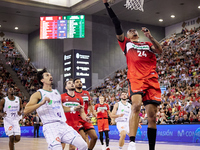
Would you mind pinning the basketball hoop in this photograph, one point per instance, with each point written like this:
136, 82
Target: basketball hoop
111, 1
134, 4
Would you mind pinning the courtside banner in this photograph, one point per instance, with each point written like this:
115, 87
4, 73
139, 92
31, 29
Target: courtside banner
171, 133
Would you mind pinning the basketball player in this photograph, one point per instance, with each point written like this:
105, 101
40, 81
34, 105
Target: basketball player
71, 100
141, 75
102, 110
47, 103
12, 108
121, 112
86, 126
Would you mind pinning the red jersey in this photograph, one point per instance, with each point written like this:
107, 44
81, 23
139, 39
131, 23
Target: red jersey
141, 61
104, 110
69, 101
86, 98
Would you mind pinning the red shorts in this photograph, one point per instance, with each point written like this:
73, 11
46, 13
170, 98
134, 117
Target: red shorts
148, 88
85, 125
75, 124
102, 125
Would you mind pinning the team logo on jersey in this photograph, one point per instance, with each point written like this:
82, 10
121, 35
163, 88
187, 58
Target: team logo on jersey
16, 101
122, 110
50, 102
9, 106
84, 94
77, 99
56, 93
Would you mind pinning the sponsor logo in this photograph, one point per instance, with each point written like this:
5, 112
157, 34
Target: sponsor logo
10, 128
50, 102
58, 139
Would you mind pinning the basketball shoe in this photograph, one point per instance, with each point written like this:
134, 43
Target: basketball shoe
131, 146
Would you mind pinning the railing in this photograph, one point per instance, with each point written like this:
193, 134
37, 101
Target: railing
20, 50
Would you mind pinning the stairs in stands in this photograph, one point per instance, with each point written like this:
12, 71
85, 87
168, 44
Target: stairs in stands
14, 76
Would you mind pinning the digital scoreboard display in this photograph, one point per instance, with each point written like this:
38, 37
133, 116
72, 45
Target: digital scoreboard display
77, 64
61, 27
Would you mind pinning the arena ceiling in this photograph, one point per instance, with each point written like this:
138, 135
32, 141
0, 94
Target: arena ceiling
25, 13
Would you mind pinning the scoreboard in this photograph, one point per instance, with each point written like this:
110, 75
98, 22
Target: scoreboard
77, 64
61, 27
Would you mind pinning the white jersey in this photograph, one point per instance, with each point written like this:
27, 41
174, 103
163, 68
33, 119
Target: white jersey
11, 107
52, 111
123, 109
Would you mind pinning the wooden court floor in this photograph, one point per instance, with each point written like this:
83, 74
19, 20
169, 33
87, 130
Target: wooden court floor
40, 144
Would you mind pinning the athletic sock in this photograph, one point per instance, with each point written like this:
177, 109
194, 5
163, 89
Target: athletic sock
120, 147
132, 138
151, 132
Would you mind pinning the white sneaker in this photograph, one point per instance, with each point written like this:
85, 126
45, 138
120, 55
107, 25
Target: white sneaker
131, 146
103, 147
107, 148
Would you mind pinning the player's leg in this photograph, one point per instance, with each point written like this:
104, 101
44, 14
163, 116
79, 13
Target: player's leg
93, 136
71, 147
87, 139
106, 130
107, 139
101, 139
134, 117
122, 138
38, 130
34, 130
17, 138
72, 137
151, 110
151, 100
11, 142
82, 133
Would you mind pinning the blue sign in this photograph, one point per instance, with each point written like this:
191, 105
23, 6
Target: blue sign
169, 133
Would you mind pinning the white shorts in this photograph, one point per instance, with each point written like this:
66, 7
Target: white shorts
11, 126
123, 126
58, 132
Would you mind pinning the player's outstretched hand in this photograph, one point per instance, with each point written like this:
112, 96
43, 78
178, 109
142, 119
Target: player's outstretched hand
78, 108
19, 113
88, 119
105, 1
4, 114
146, 32
46, 99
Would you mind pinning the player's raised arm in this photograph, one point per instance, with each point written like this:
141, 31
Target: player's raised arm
115, 20
157, 48
33, 103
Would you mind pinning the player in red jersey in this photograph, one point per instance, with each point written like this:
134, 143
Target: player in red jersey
86, 126
69, 99
141, 75
102, 110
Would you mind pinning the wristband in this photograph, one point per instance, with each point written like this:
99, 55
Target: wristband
72, 109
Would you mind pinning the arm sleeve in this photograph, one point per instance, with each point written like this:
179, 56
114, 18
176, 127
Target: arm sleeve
114, 19
122, 44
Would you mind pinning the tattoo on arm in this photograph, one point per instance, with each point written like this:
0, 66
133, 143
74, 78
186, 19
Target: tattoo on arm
158, 48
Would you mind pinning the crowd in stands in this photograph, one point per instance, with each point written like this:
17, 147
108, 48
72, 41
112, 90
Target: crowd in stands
178, 68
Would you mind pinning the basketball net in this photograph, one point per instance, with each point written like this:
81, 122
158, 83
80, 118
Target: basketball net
134, 4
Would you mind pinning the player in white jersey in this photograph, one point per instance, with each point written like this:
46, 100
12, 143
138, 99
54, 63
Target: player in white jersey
11, 106
47, 103
121, 112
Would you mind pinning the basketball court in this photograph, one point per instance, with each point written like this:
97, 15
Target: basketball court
40, 144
